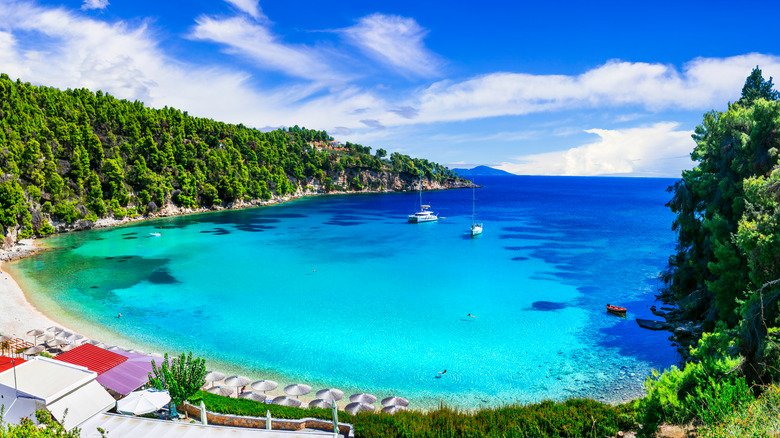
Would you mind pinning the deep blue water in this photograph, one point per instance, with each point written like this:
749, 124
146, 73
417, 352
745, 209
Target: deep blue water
341, 291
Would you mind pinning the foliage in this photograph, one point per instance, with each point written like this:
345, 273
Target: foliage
28, 429
182, 376
757, 88
757, 419
571, 418
706, 392
735, 150
76, 153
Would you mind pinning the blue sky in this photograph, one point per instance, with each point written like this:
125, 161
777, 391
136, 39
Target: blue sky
560, 88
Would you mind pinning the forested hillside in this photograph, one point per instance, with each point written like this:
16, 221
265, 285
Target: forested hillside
725, 274
77, 155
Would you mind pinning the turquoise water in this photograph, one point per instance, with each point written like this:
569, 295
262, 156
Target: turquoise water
340, 291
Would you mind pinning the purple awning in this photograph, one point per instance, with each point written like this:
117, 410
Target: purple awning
130, 374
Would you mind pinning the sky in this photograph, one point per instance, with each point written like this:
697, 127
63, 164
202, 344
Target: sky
550, 88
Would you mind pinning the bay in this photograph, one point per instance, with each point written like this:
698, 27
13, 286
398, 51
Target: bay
341, 291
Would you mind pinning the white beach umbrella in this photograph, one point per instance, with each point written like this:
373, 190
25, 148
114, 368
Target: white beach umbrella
75, 338
395, 401
393, 409
136, 351
116, 348
55, 329
320, 403
63, 334
143, 402
297, 389
221, 390
34, 350
68, 347
237, 381
330, 394
253, 396
156, 355
56, 342
94, 342
36, 333
362, 398
264, 385
355, 407
214, 376
283, 400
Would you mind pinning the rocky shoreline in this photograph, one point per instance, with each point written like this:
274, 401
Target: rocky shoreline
14, 248
686, 332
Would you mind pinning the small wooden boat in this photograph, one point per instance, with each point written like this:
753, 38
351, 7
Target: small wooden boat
615, 310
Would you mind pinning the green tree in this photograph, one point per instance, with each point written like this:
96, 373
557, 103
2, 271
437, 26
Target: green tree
28, 429
182, 377
757, 88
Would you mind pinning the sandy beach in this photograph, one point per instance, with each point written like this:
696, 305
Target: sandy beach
18, 315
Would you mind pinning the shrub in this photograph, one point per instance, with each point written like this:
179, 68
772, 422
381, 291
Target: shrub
759, 418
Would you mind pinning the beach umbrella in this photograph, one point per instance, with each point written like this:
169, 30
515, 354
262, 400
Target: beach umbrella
393, 409
36, 333
264, 385
237, 381
320, 403
395, 401
355, 407
55, 329
221, 390
136, 351
156, 355
214, 376
297, 389
94, 342
362, 398
116, 348
47, 337
143, 402
68, 347
34, 350
63, 334
56, 342
74, 338
203, 419
283, 400
330, 394
253, 396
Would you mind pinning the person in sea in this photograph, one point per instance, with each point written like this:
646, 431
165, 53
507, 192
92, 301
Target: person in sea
442, 372
471, 316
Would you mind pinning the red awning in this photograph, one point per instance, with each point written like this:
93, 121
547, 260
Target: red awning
6, 363
94, 358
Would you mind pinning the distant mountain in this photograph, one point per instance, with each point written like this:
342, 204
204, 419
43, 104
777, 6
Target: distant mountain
480, 171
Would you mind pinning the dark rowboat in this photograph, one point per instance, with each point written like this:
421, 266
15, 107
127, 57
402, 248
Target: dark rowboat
615, 310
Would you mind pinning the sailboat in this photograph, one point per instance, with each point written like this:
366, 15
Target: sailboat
476, 228
425, 214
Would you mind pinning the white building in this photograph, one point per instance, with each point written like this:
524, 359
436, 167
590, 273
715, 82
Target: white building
69, 392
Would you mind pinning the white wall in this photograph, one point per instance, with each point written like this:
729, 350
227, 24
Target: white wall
14, 409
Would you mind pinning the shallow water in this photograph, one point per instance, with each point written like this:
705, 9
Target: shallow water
341, 291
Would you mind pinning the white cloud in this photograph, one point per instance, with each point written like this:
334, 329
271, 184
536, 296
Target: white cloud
251, 7
395, 41
703, 83
94, 4
658, 151
256, 43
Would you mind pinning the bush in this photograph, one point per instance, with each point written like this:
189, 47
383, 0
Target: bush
571, 418
759, 418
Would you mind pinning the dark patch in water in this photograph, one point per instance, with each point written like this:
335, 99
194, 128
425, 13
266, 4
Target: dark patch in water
285, 216
520, 259
254, 228
161, 276
99, 238
129, 238
110, 258
129, 234
125, 257
122, 261
217, 232
93, 287
548, 305
344, 223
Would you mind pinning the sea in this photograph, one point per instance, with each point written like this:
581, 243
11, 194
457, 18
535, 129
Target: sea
340, 291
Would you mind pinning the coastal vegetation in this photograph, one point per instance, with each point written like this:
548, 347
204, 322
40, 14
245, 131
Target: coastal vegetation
725, 274
78, 156
27, 428
570, 418
181, 376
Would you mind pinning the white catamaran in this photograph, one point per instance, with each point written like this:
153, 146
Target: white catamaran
424, 215
476, 228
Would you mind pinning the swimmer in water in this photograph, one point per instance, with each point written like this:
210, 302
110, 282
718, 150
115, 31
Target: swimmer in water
471, 316
443, 372
119, 316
